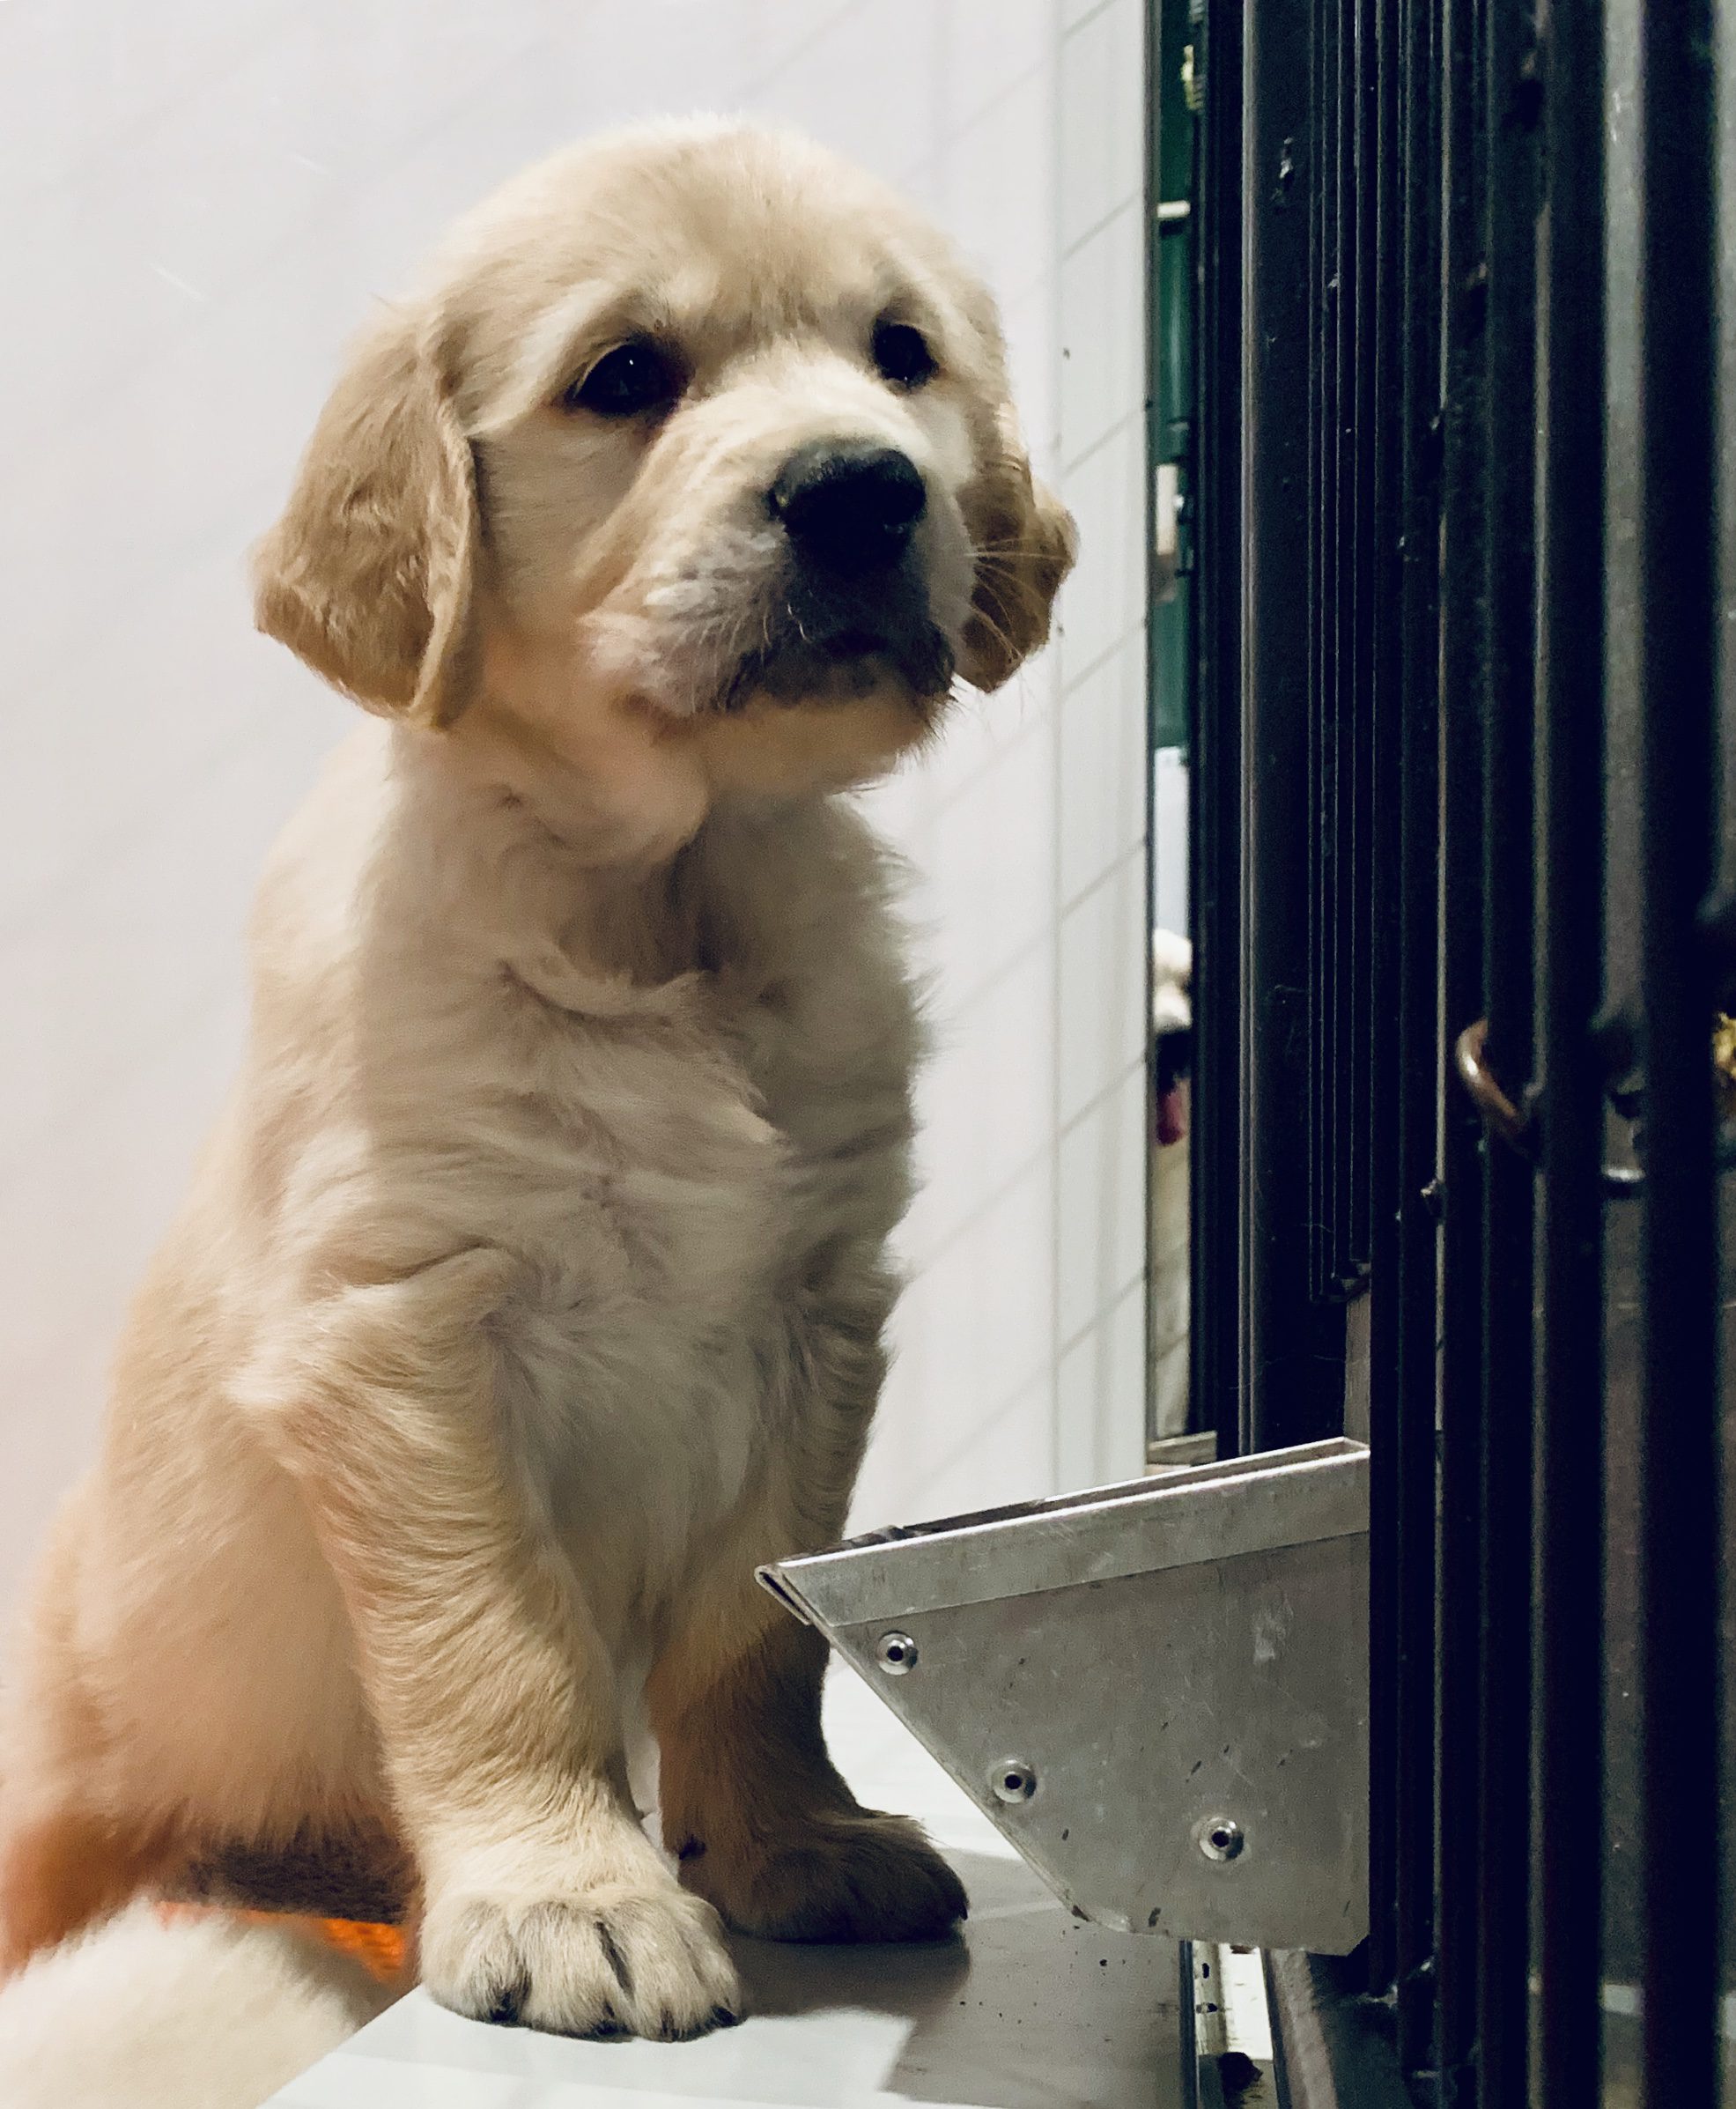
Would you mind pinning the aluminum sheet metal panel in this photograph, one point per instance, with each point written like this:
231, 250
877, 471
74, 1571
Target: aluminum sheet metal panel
1157, 1690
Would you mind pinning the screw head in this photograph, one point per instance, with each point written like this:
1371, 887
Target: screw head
1013, 1780
896, 1653
1221, 1837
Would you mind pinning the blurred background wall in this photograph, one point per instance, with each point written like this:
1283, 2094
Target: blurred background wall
199, 199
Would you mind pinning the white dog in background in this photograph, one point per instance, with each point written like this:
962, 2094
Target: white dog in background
1172, 1059
532, 1288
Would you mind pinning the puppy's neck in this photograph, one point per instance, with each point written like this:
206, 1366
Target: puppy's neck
621, 786
483, 873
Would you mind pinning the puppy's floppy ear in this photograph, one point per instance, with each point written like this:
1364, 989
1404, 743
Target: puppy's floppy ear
369, 576
1025, 545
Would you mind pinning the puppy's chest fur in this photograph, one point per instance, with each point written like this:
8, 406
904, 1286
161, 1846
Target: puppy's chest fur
706, 1173
678, 1116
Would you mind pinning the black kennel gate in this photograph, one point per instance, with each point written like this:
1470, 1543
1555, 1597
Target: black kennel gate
1464, 886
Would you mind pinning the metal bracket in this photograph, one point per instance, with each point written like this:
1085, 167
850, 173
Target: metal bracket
1158, 1691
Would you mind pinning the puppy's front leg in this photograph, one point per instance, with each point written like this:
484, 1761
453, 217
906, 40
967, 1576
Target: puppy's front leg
751, 1803
756, 1812
492, 1691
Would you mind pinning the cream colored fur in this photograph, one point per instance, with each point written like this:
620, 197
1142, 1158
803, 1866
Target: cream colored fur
136, 2015
531, 1289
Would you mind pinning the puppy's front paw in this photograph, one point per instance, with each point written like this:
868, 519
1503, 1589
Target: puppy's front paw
607, 1961
854, 1877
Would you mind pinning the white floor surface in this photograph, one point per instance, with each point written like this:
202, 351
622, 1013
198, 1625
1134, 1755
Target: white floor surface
1030, 2010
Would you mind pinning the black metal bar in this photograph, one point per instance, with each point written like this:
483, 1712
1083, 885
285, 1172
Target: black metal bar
1570, 1366
1382, 1022
1292, 1378
1384, 1031
1512, 114
1680, 1461
1345, 451
1187, 2015
1332, 188
1372, 405
1416, 1291
1464, 282
1327, 278
1215, 744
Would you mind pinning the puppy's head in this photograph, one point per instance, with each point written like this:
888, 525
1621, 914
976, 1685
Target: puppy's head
696, 463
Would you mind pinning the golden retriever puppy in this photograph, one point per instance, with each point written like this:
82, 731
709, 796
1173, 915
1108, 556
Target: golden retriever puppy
532, 1288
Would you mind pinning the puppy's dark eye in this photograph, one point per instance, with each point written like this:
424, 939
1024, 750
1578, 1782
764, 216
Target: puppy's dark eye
902, 354
638, 376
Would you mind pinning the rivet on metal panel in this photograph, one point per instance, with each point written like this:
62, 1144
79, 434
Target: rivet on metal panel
1221, 1837
896, 1653
1013, 1780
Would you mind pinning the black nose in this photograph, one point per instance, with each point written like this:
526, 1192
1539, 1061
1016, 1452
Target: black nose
849, 508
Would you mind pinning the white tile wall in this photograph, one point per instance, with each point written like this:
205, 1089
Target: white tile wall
197, 204
1103, 350
1101, 1099
1103, 801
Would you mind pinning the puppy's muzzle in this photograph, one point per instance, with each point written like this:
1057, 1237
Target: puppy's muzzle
855, 605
